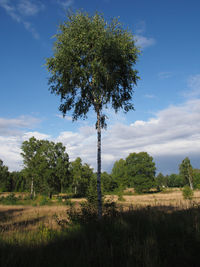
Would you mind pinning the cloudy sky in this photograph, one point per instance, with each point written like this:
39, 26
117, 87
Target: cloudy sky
166, 120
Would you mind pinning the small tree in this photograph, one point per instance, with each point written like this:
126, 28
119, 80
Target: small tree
185, 170
187, 192
92, 67
141, 171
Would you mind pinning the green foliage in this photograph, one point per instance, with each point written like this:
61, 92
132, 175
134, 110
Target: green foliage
120, 196
92, 65
81, 175
4, 177
160, 182
46, 165
186, 171
109, 184
44, 200
141, 171
45, 234
196, 178
91, 194
11, 199
187, 192
119, 173
175, 180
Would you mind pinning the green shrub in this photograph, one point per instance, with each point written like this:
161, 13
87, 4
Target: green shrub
44, 201
120, 195
187, 192
11, 199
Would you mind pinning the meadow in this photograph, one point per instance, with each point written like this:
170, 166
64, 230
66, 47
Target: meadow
156, 229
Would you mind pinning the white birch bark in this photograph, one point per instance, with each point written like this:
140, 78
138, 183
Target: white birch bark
99, 165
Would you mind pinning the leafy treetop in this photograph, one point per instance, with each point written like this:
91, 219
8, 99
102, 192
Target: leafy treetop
92, 65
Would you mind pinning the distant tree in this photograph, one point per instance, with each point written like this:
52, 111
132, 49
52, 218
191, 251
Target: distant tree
186, 171
17, 181
175, 180
81, 176
4, 177
108, 183
160, 181
46, 165
92, 67
141, 171
76, 170
119, 173
196, 178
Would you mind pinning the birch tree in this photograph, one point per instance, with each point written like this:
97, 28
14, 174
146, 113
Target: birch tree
186, 171
92, 67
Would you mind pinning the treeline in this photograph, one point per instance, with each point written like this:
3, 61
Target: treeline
47, 170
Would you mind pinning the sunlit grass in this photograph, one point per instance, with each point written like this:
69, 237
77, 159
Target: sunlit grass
141, 232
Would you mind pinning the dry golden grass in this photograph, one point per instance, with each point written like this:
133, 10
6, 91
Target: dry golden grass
172, 198
28, 218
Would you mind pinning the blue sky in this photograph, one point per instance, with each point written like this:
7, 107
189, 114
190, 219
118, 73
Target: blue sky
166, 122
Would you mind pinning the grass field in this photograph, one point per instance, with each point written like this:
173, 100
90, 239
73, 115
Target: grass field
158, 229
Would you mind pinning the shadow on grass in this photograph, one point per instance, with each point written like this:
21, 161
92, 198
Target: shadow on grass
21, 225
9, 214
143, 237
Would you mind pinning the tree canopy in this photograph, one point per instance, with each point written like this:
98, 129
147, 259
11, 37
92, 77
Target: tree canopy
185, 170
46, 164
141, 171
92, 67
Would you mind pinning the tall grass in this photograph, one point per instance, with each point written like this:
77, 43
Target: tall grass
151, 236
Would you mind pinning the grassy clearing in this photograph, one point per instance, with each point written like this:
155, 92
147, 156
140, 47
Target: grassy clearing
133, 235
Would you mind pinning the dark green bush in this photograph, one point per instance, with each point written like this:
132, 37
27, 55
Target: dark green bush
187, 192
11, 199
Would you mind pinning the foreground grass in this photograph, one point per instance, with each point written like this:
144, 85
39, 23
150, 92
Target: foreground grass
150, 236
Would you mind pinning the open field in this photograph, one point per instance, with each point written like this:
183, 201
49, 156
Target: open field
172, 197
21, 217
159, 229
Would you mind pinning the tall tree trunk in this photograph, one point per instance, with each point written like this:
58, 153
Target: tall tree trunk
99, 165
190, 179
32, 188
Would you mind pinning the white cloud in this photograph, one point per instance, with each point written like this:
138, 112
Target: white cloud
10, 127
141, 40
11, 148
149, 96
17, 10
144, 42
10, 152
29, 8
165, 74
37, 135
68, 118
172, 133
170, 136
140, 27
28, 26
194, 86
65, 3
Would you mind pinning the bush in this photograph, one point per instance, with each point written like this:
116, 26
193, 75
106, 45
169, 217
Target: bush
11, 199
187, 192
44, 201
